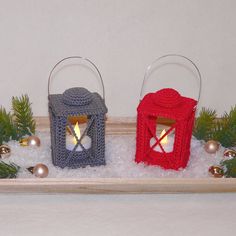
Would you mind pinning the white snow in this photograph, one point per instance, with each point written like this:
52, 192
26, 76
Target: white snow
120, 152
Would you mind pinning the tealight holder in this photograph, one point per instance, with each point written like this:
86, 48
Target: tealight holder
77, 123
169, 149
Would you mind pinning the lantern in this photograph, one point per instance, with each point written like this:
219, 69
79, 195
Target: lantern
169, 148
77, 125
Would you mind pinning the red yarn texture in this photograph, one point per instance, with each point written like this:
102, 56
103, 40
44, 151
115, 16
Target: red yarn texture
165, 103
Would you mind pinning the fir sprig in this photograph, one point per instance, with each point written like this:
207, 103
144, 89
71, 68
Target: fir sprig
8, 170
229, 167
223, 130
7, 127
204, 124
23, 116
16, 125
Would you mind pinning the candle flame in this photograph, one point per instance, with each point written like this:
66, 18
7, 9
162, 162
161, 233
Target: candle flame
165, 139
77, 132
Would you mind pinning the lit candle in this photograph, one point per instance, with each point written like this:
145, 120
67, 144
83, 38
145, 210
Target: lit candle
71, 140
167, 143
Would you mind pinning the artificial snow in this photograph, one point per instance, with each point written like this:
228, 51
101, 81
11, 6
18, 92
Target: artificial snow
120, 153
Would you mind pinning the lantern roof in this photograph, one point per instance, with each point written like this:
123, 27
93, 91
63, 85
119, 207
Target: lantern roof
77, 101
167, 103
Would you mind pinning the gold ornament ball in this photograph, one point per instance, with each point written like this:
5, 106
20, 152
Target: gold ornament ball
30, 169
212, 146
24, 142
5, 151
230, 153
40, 170
216, 171
33, 141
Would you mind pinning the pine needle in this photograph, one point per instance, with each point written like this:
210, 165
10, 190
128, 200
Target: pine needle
8, 171
204, 124
7, 127
229, 167
222, 130
23, 116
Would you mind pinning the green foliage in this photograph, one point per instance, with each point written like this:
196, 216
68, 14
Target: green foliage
229, 167
222, 130
7, 127
8, 170
23, 116
204, 124
18, 124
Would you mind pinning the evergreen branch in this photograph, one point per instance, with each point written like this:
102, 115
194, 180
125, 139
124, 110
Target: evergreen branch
229, 167
8, 170
7, 128
232, 119
23, 116
225, 129
222, 130
204, 124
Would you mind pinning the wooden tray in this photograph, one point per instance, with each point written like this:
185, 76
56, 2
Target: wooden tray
115, 185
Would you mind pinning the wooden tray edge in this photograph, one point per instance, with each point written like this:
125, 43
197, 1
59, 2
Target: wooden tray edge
117, 185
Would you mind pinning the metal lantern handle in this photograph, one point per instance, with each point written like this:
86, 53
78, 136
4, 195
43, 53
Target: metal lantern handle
147, 73
83, 59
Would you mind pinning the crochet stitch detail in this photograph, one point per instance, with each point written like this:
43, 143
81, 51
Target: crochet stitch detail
77, 96
167, 98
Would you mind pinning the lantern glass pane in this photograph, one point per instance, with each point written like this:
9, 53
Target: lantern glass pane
162, 126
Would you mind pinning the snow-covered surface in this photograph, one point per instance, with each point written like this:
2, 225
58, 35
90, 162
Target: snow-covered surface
120, 151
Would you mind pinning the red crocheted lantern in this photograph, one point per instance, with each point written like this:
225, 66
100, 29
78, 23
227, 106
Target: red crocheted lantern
171, 148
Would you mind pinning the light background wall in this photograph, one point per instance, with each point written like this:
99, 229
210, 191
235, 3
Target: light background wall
121, 37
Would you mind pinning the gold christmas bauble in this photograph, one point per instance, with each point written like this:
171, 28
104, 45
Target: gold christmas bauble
212, 146
40, 170
24, 142
33, 141
5, 151
216, 171
30, 169
230, 153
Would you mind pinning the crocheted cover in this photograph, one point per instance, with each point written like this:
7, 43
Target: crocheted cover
165, 103
76, 102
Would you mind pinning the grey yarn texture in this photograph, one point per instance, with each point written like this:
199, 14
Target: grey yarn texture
76, 102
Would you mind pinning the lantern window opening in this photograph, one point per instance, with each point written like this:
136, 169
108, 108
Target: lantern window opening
157, 141
165, 123
75, 136
78, 123
74, 133
159, 144
161, 120
81, 119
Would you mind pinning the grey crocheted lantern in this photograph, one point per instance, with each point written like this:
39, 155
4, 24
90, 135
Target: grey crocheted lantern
70, 149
